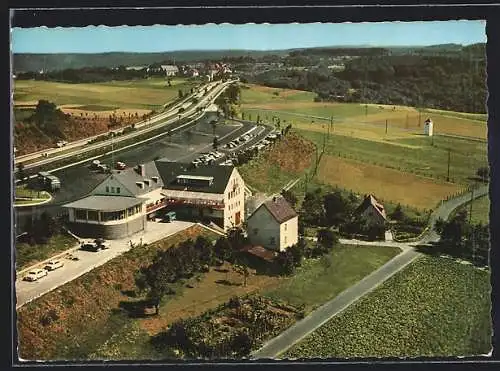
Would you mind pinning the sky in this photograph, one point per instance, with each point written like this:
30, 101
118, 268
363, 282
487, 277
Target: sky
98, 39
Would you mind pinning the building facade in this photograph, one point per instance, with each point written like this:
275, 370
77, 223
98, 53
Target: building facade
372, 211
123, 202
273, 225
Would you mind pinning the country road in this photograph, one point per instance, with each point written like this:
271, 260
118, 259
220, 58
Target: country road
291, 336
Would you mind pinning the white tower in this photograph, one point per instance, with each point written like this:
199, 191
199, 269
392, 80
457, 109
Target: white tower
428, 127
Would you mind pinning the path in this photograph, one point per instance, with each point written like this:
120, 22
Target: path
291, 336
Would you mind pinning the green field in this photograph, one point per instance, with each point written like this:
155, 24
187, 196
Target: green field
319, 280
145, 94
464, 115
25, 192
411, 315
416, 155
480, 210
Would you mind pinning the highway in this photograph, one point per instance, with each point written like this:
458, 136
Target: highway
184, 145
280, 344
151, 124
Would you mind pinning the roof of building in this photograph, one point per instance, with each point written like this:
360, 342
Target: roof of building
105, 203
372, 201
260, 252
129, 178
169, 67
279, 209
170, 170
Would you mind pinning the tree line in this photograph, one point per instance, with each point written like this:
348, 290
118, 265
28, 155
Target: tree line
454, 82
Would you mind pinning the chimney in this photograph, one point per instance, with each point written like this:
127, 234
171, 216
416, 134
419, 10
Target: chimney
141, 170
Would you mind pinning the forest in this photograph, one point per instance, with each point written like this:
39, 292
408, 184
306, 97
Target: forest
453, 81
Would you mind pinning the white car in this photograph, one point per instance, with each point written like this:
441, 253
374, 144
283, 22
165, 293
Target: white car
36, 274
53, 265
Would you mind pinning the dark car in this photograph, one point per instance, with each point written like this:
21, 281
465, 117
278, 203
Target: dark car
90, 247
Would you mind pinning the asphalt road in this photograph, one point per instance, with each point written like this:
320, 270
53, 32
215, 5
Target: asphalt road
28, 291
185, 146
169, 117
281, 343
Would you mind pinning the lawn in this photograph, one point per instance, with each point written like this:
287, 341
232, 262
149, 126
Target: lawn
320, 280
25, 192
411, 315
145, 94
86, 310
416, 155
27, 255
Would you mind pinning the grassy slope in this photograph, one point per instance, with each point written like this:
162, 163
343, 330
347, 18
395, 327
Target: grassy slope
27, 255
285, 161
87, 307
480, 210
320, 280
411, 315
150, 94
354, 117
418, 157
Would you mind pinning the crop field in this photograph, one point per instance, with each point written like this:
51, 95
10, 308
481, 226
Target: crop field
386, 184
144, 94
319, 280
355, 117
415, 155
411, 316
74, 320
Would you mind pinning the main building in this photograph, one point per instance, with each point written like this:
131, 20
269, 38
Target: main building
121, 204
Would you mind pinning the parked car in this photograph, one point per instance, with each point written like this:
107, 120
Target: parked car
88, 246
120, 165
36, 274
102, 243
53, 265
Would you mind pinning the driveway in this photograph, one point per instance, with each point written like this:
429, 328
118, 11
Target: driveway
291, 336
28, 291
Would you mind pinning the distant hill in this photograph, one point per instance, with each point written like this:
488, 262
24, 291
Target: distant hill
24, 62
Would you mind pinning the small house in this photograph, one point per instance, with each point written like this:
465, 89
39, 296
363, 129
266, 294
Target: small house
273, 225
428, 127
372, 211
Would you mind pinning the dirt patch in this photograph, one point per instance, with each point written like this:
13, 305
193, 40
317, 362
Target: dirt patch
386, 184
292, 153
207, 294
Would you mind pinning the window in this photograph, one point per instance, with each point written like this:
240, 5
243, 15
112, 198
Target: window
285, 227
285, 238
272, 241
112, 189
117, 189
107, 189
93, 215
255, 230
81, 214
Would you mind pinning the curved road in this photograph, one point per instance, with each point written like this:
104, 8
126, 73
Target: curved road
291, 336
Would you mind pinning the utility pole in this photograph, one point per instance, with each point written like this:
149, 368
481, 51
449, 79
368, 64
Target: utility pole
449, 156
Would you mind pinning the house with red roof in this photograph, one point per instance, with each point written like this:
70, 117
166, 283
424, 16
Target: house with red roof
273, 225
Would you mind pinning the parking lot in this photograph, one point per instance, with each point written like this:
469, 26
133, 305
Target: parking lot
87, 260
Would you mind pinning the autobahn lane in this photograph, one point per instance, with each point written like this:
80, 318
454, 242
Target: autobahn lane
185, 146
154, 123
